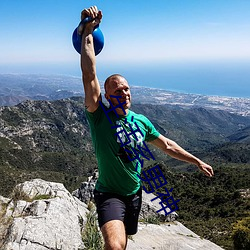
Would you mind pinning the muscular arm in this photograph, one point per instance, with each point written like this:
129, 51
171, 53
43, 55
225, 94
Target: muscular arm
174, 150
88, 63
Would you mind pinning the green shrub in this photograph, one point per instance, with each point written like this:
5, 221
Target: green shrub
91, 235
152, 219
241, 234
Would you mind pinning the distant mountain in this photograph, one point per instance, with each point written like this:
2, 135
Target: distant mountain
15, 88
236, 150
242, 136
195, 127
232, 153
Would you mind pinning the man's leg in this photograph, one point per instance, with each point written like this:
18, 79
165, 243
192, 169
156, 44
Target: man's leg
111, 212
114, 235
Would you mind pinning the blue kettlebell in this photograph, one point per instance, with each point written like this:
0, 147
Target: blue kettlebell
98, 37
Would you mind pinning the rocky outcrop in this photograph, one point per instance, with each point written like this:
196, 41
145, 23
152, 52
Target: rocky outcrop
85, 192
168, 236
43, 215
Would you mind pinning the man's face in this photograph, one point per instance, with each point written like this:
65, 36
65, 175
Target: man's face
118, 86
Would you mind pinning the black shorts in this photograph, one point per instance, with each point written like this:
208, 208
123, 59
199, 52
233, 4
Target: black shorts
117, 207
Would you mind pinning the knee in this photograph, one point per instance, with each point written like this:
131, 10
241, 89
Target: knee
115, 245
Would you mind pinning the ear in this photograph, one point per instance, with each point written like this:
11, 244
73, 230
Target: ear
106, 96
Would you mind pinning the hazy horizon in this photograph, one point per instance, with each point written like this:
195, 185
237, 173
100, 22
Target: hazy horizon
222, 79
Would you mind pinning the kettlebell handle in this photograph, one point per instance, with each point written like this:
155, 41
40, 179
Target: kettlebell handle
85, 21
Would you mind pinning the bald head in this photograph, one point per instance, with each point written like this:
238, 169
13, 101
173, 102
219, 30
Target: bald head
113, 80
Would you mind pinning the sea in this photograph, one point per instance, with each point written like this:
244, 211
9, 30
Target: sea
231, 79
228, 79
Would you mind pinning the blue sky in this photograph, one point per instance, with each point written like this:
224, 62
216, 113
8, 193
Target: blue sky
35, 35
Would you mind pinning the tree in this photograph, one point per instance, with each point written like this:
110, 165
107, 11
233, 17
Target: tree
241, 234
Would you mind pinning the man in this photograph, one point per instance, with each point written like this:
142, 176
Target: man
118, 192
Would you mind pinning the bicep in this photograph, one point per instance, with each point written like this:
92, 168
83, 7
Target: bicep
160, 142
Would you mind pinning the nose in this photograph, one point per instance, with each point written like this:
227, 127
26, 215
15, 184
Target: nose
124, 93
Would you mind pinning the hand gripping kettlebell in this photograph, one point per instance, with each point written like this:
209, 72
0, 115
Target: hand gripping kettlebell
98, 37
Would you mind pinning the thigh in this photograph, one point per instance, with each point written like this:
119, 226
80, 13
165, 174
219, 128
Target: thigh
111, 213
108, 208
133, 207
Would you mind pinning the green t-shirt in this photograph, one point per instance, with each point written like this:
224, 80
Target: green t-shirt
117, 174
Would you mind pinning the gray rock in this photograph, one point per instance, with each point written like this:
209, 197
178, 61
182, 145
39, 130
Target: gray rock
44, 215
150, 208
85, 192
169, 236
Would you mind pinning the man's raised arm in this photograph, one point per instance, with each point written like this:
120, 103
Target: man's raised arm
88, 64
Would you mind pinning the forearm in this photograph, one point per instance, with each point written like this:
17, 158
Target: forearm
174, 150
88, 67
88, 63
177, 152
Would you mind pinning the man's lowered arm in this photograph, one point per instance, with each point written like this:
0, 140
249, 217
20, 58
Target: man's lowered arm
174, 150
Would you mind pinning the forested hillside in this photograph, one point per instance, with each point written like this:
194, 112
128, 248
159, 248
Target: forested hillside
51, 140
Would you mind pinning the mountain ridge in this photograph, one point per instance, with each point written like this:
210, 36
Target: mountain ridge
54, 135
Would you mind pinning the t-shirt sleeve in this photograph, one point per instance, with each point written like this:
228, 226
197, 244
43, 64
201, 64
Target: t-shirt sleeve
94, 117
152, 133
